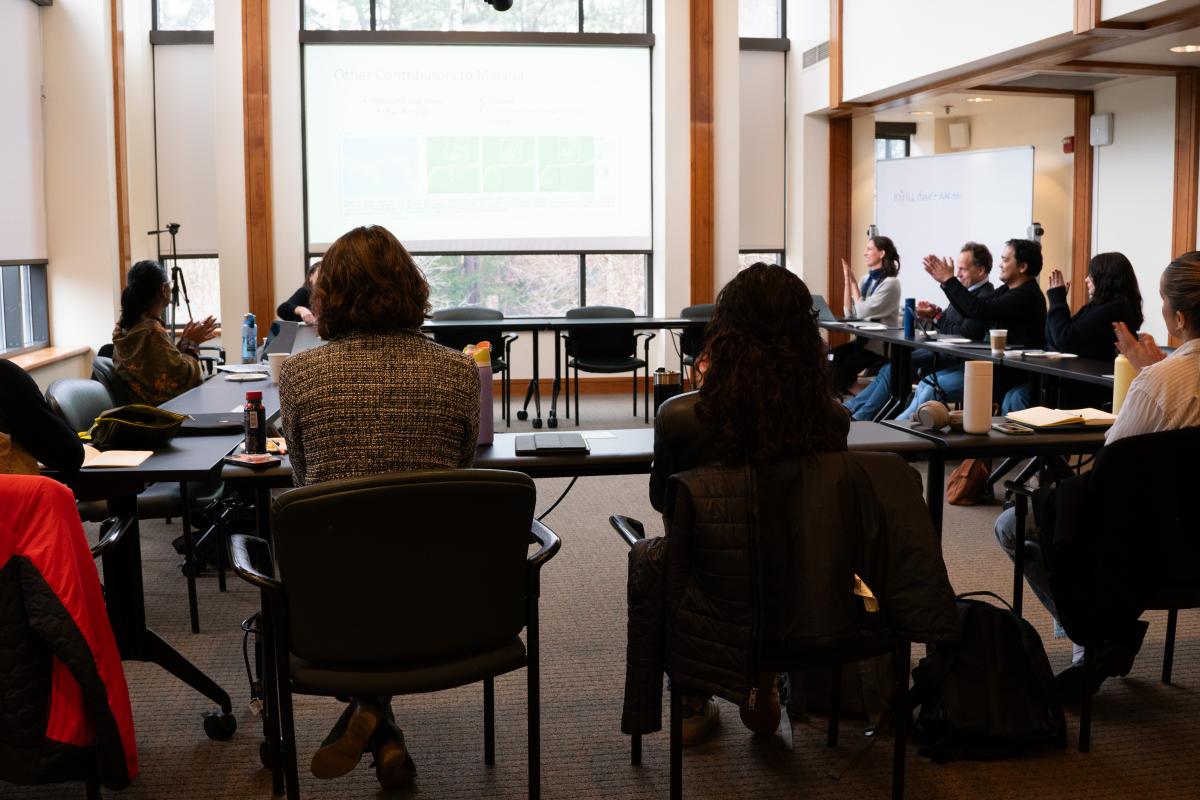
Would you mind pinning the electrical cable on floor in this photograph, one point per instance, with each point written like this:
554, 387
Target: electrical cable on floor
553, 506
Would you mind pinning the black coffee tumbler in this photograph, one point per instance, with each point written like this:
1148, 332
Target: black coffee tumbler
666, 385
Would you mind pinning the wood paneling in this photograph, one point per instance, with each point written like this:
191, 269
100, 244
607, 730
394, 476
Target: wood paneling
703, 167
1187, 161
1081, 202
116, 13
1087, 15
835, 54
840, 132
256, 88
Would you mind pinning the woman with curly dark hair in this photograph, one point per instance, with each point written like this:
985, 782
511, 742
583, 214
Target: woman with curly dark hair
378, 397
765, 397
765, 394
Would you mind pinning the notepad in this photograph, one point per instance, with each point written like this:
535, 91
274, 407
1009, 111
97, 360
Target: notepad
539, 444
1042, 417
113, 458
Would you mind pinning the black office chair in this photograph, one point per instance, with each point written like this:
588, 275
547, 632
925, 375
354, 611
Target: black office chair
691, 338
104, 371
735, 571
445, 553
1118, 540
606, 352
457, 340
78, 402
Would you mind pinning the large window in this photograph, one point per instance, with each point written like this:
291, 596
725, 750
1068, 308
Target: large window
509, 151
24, 320
183, 15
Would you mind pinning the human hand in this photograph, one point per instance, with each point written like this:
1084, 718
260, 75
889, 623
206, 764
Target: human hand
1056, 280
846, 269
940, 269
927, 310
199, 332
306, 315
1141, 351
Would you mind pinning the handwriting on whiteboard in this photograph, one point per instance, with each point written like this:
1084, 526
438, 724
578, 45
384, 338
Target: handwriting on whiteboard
924, 197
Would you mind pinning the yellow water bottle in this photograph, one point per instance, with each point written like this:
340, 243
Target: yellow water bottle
1123, 374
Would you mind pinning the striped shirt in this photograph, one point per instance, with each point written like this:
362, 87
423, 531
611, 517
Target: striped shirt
1163, 397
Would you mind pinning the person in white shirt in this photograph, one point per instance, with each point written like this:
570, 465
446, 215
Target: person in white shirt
876, 298
1165, 395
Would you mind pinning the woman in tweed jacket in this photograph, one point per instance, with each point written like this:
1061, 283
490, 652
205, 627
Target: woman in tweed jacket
378, 397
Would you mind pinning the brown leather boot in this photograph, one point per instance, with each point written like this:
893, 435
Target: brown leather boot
393, 765
343, 747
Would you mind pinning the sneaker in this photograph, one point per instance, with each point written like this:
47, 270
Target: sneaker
393, 765
343, 747
699, 723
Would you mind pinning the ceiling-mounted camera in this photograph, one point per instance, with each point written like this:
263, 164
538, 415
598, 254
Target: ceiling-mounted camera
500, 5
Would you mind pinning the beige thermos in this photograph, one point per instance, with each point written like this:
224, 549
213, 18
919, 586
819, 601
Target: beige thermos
1123, 373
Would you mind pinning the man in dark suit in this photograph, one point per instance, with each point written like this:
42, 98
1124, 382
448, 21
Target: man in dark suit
972, 268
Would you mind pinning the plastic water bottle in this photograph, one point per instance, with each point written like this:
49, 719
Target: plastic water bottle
249, 339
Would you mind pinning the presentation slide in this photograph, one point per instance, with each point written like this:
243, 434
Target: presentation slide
935, 204
460, 148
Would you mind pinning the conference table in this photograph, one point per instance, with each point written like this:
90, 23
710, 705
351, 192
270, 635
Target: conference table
1051, 371
492, 328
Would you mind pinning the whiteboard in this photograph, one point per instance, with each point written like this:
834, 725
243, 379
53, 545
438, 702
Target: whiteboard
934, 204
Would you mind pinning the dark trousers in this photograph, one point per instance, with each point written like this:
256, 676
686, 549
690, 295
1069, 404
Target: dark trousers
848, 360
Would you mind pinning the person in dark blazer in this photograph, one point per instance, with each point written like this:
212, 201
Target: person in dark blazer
298, 307
1113, 296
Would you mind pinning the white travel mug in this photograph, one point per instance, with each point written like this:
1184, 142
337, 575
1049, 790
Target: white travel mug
274, 362
977, 396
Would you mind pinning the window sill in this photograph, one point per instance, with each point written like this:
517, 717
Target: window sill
45, 356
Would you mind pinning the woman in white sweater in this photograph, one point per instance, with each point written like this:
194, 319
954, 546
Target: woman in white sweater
877, 297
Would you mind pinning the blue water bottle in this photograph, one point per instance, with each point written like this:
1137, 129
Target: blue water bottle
910, 317
249, 339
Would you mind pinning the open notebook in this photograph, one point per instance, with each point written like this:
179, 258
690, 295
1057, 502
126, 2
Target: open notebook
1042, 417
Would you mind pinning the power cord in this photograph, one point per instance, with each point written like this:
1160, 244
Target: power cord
561, 497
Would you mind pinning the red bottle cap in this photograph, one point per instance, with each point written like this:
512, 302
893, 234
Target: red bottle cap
254, 395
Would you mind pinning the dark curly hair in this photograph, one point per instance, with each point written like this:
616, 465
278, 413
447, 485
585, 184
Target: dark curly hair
369, 284
765, 395
1115, 281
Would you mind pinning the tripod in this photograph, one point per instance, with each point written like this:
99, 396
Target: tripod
178, 280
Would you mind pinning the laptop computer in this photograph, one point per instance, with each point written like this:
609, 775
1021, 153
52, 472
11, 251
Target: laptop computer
823, 312
291, 337
542, 444
217, 422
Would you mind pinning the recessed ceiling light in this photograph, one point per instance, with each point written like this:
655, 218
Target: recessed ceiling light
979, 99
1186, 48
921, 113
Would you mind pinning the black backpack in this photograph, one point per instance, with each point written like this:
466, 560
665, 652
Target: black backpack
990, 693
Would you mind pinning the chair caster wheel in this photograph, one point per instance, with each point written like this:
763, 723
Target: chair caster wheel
264, 755
537, 422
219, 725
552, 422
522, 415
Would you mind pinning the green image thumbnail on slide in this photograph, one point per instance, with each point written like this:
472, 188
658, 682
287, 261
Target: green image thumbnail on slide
566, 164
452, 164
509, 164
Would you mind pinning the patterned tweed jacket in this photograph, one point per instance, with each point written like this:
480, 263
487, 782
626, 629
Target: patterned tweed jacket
365, 404
154, 369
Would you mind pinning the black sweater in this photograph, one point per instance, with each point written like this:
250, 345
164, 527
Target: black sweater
953, 323
28, 419
300, 297
1089, 333
1022, 311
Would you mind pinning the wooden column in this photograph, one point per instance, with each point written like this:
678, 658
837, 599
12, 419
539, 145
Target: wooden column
1087, 15
1187, 166
703, 168
116, 12
256, 88
1081, 202
840, 132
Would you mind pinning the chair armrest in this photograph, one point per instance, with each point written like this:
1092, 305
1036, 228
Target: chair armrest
111, 531
629, 529
549, 541
239, 555
508, 338
648, 334
1018, 488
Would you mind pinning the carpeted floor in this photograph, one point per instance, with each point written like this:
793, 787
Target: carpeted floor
1144, 733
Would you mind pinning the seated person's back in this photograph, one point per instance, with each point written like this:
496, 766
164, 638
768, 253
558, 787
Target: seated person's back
30, 431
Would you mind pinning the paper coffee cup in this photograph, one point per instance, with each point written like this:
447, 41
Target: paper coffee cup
999, 338
274, 362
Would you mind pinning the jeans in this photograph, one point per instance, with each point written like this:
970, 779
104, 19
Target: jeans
1035, 570
869, 401
951, 381
1017, 398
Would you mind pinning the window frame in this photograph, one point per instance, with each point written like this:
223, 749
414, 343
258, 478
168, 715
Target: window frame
28, 343
159, 36
889, 138
579, 38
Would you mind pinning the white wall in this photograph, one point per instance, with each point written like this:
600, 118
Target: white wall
762, 150
726, 135
22, 201
1134, 179
81, 222
286, 151
139, 131
230, 175
1111, 9
887, 43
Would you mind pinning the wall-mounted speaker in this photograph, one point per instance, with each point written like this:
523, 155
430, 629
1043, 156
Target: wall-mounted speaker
1100, 132
960, 135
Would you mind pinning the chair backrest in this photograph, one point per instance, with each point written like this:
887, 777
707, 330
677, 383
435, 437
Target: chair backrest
599, 343
691, 339
457, 340
78, 401
104, 371
405, 566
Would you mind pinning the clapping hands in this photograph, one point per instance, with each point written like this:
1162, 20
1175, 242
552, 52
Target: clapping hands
199, 332
1141, 351
1056, 280
940, 269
